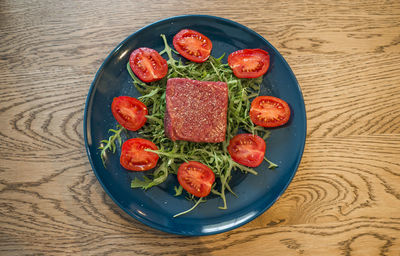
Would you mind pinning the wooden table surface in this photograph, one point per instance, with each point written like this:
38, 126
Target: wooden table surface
344, 199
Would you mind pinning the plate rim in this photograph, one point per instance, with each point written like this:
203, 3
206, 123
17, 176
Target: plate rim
153, 224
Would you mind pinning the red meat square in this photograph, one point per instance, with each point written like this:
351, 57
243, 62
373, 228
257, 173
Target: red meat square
196, 110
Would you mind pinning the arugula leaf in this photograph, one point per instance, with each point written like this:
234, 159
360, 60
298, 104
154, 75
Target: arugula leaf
110, 143
159, 176
178, 190
138, 183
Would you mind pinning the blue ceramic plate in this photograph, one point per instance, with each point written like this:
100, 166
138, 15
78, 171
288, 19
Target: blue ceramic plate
156, 206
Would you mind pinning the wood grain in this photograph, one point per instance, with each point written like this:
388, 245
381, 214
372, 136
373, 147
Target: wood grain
344, 199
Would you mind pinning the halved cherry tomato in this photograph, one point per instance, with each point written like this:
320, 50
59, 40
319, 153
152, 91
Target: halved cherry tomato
268, 111
196, 178
148, 64
249, 63
192, 45
129, 112
135, 158
247, 149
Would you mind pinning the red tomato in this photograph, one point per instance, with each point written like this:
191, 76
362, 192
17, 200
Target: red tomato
135, 158
247, 149
192, 45
249, 63
196, 178
148, 64
129, 112
268, 111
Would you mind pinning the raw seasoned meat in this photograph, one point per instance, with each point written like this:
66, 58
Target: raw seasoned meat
196, 110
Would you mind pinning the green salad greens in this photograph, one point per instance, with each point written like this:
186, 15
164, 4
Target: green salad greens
173, 153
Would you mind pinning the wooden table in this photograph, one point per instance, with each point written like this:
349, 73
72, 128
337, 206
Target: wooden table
344, 199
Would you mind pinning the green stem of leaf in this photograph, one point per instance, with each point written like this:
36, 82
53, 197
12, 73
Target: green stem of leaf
191, 209
271, 164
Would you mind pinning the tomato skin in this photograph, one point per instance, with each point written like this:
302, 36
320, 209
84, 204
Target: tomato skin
247, 149
129, 112
148, 65
269, 111
192, 45
249, 63
135, 158
196, 178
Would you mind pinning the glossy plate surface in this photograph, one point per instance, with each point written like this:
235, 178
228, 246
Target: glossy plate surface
156, 206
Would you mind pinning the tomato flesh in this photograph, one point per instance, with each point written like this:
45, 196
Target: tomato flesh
129, 112
192, 45
249, 63
268, 111
148, 65
196, 178
247, 149
135, 158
